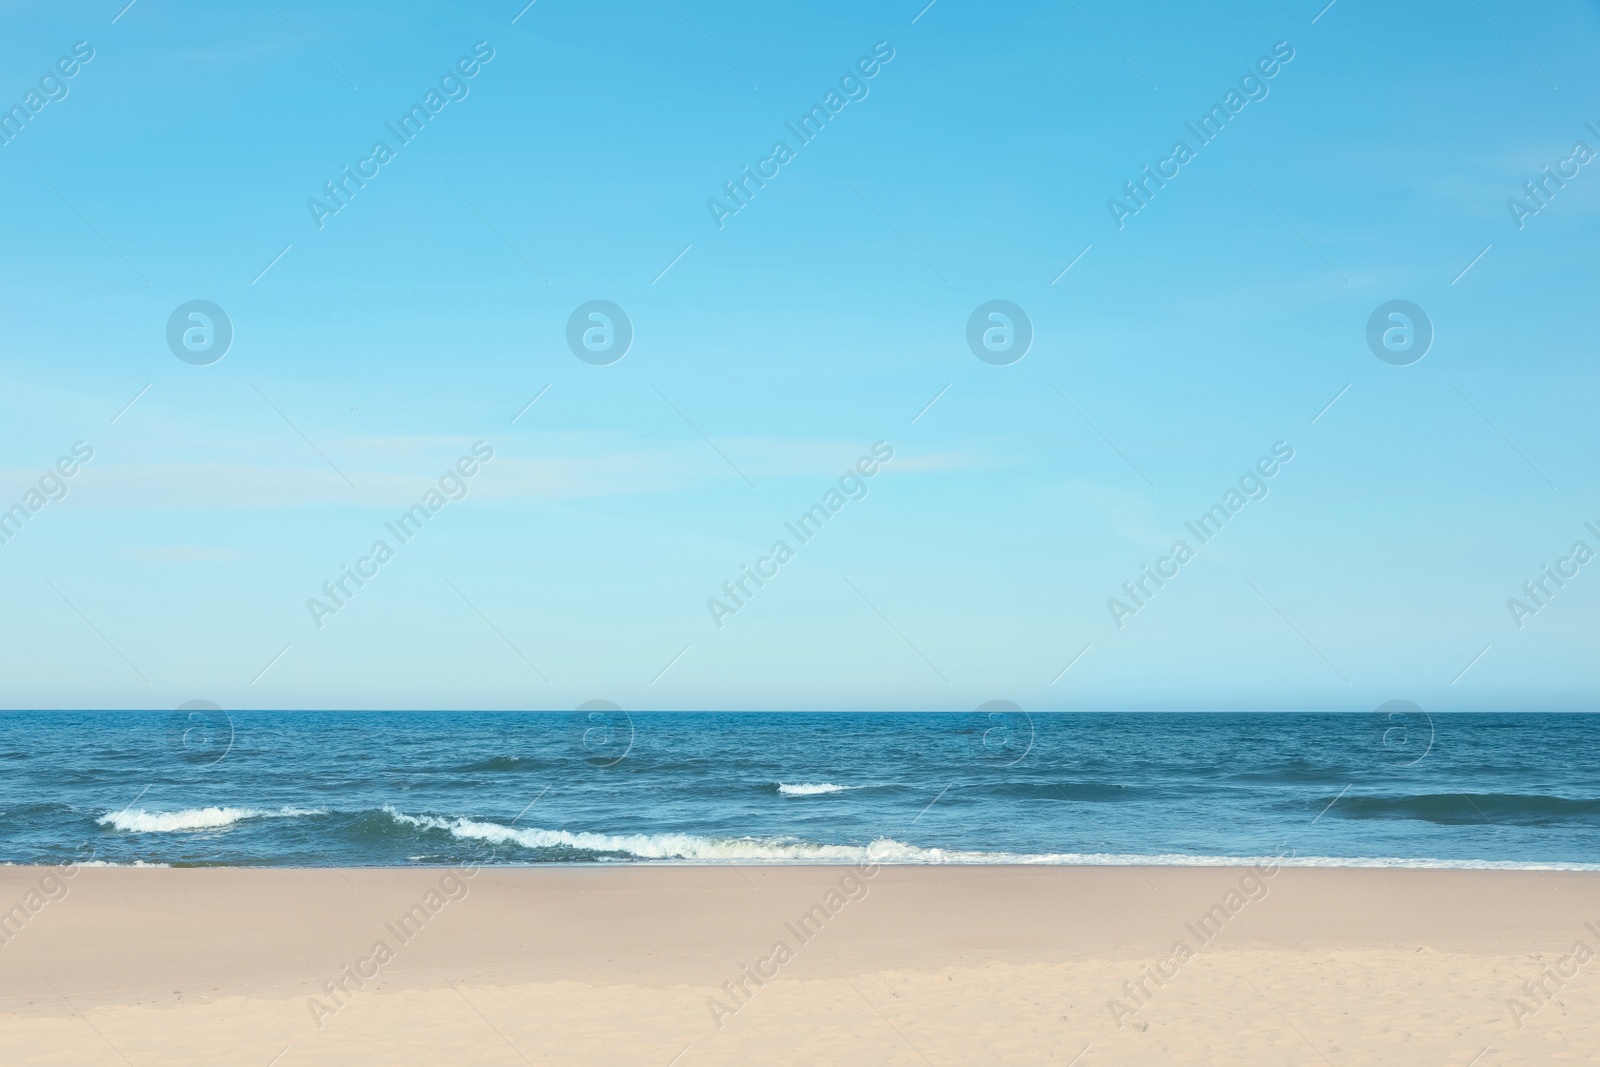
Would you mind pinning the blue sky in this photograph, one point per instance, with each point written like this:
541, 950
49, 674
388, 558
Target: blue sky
770, 354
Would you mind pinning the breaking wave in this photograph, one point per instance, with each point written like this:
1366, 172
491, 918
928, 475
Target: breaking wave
139, 821
696, 848
806, 789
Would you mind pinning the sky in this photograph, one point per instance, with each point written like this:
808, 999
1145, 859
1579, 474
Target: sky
1177, 338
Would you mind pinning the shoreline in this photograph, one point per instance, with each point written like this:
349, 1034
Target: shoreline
1155, 862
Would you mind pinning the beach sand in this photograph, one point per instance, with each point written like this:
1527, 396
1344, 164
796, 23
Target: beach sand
924, 965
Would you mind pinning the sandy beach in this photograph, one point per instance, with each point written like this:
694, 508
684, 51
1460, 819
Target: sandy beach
802, 965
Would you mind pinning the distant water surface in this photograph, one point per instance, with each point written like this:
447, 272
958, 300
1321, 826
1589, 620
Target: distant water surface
405, 788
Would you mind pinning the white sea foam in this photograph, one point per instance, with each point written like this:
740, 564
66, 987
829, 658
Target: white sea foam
88, 863
109, 863
139, 821
695, 848
806, 789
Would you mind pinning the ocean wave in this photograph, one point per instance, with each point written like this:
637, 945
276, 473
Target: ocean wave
139, 821
1453, 809
695, 848
806, 789
700, 849
109, 863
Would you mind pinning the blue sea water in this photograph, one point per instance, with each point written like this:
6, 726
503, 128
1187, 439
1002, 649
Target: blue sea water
201, 787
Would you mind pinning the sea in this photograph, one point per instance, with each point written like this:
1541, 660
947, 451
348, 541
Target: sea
206, 787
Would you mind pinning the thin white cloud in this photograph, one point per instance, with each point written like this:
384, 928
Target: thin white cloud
396, 471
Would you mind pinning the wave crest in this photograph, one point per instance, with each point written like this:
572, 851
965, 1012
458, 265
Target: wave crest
139, 821
806, 789
696, 848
